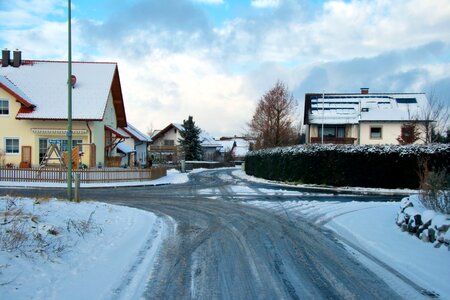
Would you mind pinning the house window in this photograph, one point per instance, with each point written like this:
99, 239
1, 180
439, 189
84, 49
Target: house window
332, 131
169, 143
62, 144
4, 107
375, 133
42, 148
12, 145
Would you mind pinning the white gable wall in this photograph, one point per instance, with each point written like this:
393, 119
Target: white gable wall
98, 129
173, 134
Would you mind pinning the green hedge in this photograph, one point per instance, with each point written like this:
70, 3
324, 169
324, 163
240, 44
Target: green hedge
382, 166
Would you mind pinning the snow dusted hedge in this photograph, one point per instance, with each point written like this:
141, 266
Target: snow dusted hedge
427, 225
384, 166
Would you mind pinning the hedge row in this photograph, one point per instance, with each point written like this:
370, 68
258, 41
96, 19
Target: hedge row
383, 166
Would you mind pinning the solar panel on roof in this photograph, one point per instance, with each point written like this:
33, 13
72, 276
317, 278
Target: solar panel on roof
406, 100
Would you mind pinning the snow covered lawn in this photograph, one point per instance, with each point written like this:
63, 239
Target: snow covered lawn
86, 250
371, 226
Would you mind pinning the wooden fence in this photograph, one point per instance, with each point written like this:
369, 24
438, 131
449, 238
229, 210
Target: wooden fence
105, 175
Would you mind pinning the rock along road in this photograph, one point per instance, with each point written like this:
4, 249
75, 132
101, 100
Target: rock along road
220, 248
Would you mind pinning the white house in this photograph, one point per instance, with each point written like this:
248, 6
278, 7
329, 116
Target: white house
33, 109
362, 118
165, 143
237, 146
166, 146
135, 148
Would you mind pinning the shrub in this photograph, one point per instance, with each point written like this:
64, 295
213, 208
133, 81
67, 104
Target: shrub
434, 188
382, 166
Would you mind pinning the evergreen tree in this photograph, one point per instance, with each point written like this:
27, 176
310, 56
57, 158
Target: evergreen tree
190, 140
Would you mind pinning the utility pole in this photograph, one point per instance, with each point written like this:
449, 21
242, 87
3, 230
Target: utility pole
323, 112
69, 107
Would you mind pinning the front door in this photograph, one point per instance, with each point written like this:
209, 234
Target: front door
26, 157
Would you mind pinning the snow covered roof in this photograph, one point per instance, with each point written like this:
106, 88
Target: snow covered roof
155, 132
355, 108
227, 145
178, 126
238, 146
124, 148
118, 132
7, 85
136, 134
208, 141
44, 85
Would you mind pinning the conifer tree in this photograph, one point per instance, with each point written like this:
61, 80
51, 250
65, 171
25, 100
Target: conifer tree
190, 140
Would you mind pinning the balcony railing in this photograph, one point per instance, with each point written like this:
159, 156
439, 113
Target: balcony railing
333, 140
158, 148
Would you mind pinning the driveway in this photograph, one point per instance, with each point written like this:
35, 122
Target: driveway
223, 249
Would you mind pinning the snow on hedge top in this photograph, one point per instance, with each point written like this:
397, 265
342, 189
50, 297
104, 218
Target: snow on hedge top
45, 83
402, 150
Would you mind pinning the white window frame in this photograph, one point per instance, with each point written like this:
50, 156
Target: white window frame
11, 138
9, 108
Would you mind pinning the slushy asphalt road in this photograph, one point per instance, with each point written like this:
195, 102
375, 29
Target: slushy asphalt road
222, 249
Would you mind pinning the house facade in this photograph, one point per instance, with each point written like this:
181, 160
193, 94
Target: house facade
134, 149
236, 147
33, 110
363, 118
165, 146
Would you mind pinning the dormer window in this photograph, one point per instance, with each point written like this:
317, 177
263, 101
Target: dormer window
4, 107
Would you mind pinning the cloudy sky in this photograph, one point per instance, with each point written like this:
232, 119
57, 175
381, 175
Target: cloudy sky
213, 59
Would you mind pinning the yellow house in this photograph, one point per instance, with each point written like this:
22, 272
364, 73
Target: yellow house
33, 110
364, 118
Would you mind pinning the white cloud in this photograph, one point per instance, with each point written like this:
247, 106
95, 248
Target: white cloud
163, 88
265, 3
29, 13
340, 30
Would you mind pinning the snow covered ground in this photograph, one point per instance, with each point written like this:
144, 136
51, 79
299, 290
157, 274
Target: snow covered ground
173, 177
370, 227
86, 250
111, 259
361, 190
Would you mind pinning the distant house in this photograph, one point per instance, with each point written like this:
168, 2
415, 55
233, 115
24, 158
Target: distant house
238, 147
165, 146
362, 118
33, 109
134, 149
210, 147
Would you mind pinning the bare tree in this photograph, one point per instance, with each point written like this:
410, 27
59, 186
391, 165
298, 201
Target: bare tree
272, 122
435, 118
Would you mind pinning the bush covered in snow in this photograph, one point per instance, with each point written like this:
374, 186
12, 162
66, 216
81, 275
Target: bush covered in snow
434, 189
384, 166
426, 224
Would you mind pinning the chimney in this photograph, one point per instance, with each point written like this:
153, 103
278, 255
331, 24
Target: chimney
364, 91
5, 57
17, 58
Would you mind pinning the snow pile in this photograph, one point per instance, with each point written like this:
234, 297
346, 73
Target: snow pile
426, 224
52, 249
